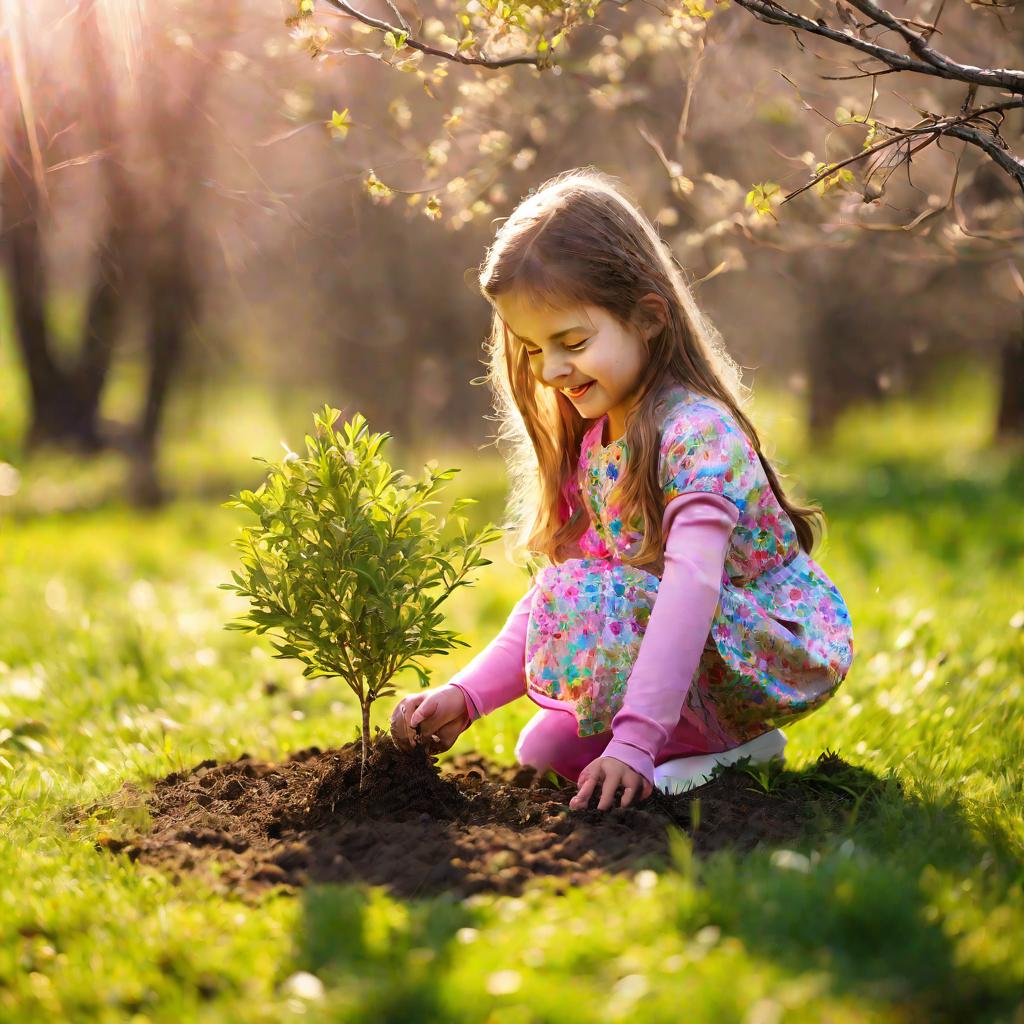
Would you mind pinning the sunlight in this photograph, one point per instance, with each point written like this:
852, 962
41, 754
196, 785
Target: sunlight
121, 24
36, 37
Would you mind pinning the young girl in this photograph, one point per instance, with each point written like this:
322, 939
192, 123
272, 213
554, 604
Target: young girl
680, 618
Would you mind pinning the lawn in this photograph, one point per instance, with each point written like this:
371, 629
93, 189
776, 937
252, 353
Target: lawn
115, 668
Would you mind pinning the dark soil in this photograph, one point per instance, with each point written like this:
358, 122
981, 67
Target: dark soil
462, 827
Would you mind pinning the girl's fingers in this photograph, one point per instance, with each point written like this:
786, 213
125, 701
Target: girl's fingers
582, 798
399, 733
425, 709
611, 784
400, 730
448, 735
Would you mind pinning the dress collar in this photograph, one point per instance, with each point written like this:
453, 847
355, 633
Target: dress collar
592, 438
599, 433
591, 444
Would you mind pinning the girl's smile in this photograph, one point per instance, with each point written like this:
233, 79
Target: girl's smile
577, 393
583, 351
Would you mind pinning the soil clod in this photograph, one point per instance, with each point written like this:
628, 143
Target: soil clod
420, 828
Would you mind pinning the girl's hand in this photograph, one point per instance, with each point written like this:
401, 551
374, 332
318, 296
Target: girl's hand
614, 773
433, 718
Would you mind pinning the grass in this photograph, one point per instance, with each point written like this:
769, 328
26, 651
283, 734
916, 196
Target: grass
114, 667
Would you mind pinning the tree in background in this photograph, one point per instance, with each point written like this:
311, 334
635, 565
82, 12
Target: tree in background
255, 249
148, 149
873, 141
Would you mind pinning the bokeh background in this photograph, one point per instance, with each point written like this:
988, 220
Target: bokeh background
192, 252
216, 218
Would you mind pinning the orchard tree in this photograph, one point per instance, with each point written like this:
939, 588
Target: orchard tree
972, 217
140, 132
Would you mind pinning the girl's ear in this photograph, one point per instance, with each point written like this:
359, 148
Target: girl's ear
651, 314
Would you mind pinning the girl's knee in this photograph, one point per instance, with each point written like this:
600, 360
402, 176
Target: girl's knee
533, 749
543, 739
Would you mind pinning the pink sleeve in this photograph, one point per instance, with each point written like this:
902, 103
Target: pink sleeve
697, 527
497, 674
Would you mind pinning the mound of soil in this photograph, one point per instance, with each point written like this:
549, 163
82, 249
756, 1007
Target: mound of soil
466, 827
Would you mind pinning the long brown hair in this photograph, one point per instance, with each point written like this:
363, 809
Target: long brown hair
580, 238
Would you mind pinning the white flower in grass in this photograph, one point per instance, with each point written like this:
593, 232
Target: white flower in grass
503, 983
303, 985
790, 860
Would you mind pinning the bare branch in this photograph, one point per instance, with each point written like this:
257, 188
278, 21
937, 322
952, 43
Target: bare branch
1000, 78
398, 14
994, 147
935, 128
931, 63
415, 44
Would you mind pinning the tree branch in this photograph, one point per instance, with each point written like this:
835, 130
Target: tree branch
1000, 78
932, 63
957, 127
415, 44
994, 147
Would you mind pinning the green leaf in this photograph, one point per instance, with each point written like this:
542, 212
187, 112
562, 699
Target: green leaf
761, 198
339, 123
344, 548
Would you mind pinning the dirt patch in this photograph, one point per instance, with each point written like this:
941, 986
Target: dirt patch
462, 827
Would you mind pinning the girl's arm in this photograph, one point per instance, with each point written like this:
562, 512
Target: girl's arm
497, 674
697, 526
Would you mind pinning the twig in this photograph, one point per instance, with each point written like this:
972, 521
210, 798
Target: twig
415, 44
931, 62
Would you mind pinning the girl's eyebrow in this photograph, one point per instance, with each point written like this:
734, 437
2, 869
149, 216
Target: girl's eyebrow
557, 336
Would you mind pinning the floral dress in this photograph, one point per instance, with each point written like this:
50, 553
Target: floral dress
781, 640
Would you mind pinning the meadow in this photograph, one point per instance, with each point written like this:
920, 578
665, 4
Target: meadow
115, 668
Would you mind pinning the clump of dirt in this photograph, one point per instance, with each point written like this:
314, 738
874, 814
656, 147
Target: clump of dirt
464, 827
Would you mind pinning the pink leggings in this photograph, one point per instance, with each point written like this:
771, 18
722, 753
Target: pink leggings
550, 740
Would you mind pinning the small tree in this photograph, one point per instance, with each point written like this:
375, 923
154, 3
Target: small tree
342, 559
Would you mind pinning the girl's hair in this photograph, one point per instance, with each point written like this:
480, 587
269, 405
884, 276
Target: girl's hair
580, 239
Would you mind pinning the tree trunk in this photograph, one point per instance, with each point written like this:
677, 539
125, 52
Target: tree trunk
173, 255
172, 303
57, 411
826, 343
110, 285
65, 401
1010, 418
365, 744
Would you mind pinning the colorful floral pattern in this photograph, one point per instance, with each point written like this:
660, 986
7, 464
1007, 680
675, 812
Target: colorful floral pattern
781, 641
591, 613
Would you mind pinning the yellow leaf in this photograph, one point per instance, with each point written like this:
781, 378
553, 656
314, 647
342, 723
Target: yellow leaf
433, 208
760, 198
339, 124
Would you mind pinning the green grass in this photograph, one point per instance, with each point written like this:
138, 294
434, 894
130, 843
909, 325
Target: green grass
114, 667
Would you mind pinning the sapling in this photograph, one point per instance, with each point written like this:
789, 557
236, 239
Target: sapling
339, 571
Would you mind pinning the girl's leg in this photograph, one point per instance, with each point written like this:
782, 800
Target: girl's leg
550, 740
686, 741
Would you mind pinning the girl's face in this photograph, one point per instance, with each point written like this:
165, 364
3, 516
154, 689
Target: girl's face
574, 345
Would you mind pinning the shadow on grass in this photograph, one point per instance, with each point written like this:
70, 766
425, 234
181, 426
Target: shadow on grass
860, 903
385, 960
871, 909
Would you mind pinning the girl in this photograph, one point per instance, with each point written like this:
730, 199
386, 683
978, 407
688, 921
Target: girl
639, 479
